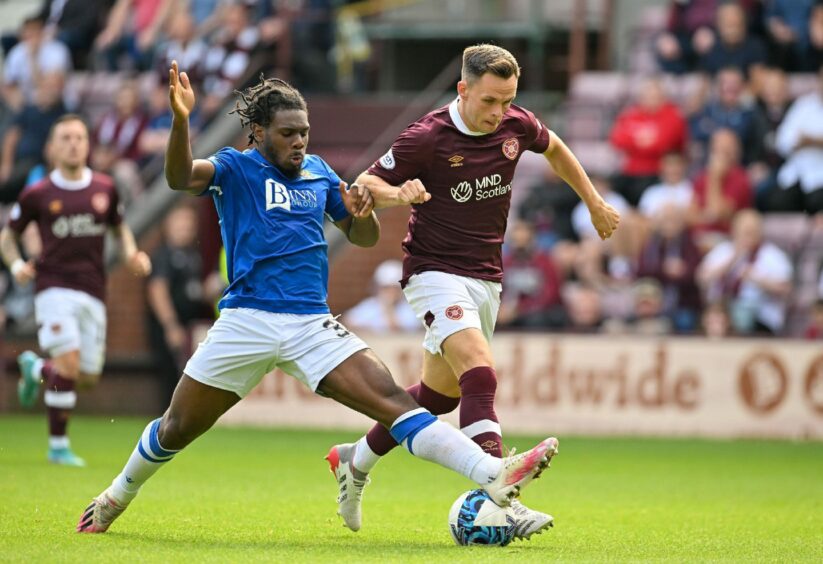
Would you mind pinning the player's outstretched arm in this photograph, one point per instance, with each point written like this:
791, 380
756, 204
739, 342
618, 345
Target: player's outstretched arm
136, 260
386, 196
604, 217
22, 271
182, 172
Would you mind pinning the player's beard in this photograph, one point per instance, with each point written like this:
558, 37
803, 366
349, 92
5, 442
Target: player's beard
285, 164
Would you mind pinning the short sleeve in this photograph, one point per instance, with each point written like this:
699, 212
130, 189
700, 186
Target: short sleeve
537, 134
23, 212
335, 208
408, 156
221, 160
719, 255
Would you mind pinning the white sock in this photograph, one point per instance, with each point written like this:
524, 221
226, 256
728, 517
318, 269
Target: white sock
37, 368
364, 457
445, 445
146, 459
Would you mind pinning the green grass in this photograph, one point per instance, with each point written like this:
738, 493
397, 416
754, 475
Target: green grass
241, 495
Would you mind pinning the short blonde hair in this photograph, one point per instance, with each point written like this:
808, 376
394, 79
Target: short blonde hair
483, 58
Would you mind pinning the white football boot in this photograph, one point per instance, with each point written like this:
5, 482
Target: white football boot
350, 482
100, 514
528, 521
520, 469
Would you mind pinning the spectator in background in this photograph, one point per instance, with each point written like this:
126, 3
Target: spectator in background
733, 45
728, 110
183, 46
814, 330
531, 284
753, 275
131, 33
117, 141
75, 23
715, 321
674, 188
770, 109
787, 24
688, 34
671, 257
648, 316
548, 207
175, 295
387, 309
584, 308
720, 190
814, 56
25, 141
34, 56
800, 140
228, 55
643, 133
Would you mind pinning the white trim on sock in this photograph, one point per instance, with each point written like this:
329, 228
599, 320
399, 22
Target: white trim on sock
408, 415
480, 427
58, 442
60, 400
364, 457
37, 368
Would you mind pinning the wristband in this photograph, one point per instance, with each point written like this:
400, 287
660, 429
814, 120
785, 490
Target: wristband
17, 266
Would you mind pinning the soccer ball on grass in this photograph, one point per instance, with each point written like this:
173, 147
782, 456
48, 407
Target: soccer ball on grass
474, 519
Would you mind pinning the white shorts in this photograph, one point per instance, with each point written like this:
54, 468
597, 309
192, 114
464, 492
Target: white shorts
71, 320
245, 344
448, 303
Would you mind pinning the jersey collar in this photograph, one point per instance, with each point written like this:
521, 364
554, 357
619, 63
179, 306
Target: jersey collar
458, 121
62, 182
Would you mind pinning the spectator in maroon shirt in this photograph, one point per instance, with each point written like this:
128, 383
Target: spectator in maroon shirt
720, 190
671, 256
644, 132
531, 284
117, 141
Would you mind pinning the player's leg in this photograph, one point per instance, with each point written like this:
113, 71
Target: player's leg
363, 383
57, 312
194, 408
437, 391
232, 359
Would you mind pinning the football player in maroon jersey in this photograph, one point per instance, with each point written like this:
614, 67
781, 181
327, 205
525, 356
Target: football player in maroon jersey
73, 208
454, 167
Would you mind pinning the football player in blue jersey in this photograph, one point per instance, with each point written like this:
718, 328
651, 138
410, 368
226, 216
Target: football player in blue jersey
271, 200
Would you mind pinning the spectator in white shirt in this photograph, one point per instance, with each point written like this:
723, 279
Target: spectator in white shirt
800, 141
387, 309
33, 57
752, 275
674, 189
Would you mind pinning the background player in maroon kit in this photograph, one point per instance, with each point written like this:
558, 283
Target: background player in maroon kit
454, 167
73, 207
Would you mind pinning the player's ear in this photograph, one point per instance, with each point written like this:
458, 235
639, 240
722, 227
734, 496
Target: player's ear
462, 88
258, 132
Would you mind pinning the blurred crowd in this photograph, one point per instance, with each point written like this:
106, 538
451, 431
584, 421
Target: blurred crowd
718, 193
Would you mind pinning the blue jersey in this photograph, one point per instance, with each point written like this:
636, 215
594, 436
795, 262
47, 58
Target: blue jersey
272, 228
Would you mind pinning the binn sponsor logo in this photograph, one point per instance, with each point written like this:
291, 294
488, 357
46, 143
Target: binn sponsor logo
489, 186
278, 196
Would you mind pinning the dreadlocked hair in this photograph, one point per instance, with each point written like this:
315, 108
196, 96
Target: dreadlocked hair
257, 104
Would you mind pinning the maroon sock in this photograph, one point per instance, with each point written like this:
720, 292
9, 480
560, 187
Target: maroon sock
59, 399
379, 438
477, 417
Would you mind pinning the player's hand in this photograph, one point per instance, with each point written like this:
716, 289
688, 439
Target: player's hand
24, 273
181, 94
413, 192
605, 219
357, 199
139, 264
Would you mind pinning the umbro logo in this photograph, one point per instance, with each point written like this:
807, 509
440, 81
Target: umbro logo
456, 160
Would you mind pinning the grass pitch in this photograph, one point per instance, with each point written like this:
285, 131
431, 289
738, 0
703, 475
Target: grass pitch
239, 495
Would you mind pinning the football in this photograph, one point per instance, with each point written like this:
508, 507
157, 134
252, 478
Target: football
474, 519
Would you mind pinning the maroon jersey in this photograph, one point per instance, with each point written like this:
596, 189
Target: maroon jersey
72, 217
460, 230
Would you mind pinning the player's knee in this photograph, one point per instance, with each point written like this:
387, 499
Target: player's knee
177, 432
